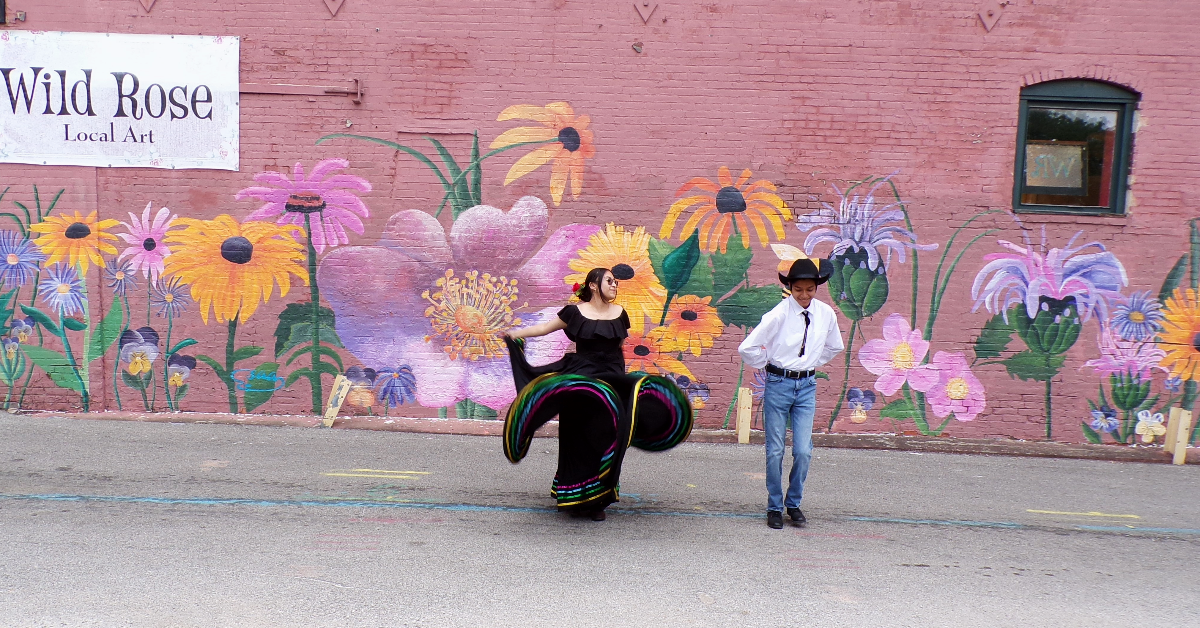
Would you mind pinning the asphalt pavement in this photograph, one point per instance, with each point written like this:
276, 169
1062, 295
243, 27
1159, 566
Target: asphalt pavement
106, 523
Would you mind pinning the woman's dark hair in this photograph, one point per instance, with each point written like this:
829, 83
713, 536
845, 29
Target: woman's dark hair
594, 276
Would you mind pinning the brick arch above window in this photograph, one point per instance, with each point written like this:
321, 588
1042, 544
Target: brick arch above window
1083, 72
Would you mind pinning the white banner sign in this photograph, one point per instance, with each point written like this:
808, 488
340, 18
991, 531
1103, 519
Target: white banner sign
103, 99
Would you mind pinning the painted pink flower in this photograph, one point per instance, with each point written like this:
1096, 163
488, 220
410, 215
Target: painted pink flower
1126, 357
329, 200
956, 389
146, 237
439, 300
895, 358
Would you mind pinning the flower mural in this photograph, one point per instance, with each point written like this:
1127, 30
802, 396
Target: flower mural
1180, 336
75, 239
643, 354
1150, 425
396, 387
726, 206
62, 290
956, 389
692, 325
1119, 356
391, 320
120, 276
1138, 317
860, 401
19, 259
1104, 419
1048, 294
565, 141
146, 237
895, 358
627, 255
860, 224
325, 204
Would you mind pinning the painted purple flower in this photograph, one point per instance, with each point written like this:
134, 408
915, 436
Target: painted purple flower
170, 296
395, 387
697, 392
329, 200
1139, 317
146, 237
62, 290
22, 328
469, 281
858, 224
956, 389
120, 275
138, 350
896, 356
1025, 275
1104, 419
1173, 384
1125, 357
10, 346
179, 368
542, 350
860, 400
19, 259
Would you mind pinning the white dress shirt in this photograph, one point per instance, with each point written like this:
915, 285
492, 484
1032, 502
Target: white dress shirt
778, 337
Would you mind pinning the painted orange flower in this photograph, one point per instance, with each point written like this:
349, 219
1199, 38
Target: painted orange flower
568, 144
1180, 335
692, 325
643, 353
726, 204
234, 267
627, 255
76, 240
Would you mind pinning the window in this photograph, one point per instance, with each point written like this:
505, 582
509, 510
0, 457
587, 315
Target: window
1074, 139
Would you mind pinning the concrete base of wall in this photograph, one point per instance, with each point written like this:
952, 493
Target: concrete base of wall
473, 427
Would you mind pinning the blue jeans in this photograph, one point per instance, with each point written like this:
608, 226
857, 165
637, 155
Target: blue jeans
788, 402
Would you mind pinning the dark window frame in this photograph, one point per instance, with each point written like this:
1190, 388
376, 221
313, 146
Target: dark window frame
1080, 94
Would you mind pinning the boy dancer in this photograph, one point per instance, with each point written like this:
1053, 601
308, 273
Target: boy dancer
792, 341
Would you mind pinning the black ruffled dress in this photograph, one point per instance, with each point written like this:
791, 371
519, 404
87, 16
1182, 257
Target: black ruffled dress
602, 410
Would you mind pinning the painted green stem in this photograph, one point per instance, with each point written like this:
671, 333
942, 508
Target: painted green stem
83, 390
1048, 414
736, 391
314, 377
233, 400
167, 363
845, 377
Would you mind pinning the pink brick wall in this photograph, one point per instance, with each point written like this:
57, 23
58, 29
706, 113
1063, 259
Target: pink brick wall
806, 94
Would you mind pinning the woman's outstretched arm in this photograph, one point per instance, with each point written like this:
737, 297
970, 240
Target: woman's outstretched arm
541, 329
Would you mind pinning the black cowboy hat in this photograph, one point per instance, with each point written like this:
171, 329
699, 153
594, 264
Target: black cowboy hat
815, 268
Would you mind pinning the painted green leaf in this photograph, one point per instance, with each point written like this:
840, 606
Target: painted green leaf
869, 291
901, 409
993, 338
135, 382
321, 350
187, 342
216, 366
295, 375
6, 298
1031, 366
260, 385
678, 264
55, 365
107, 332
243, 353
74, 324
1173, 279
42, 319
745, 308
1092, 436
294, 315
180, 393
731, 267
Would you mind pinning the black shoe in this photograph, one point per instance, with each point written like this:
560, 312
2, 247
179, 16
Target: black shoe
774, 519
798, 518
598, 515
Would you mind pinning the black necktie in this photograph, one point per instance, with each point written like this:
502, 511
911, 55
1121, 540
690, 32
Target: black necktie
804, 340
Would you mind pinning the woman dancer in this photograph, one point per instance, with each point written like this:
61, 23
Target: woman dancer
601, 409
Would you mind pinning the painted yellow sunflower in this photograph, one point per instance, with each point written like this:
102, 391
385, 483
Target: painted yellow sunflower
692, 325
568, 144
1180, 336
643, 353
233, 267
726, 202
627, 255
74, 239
